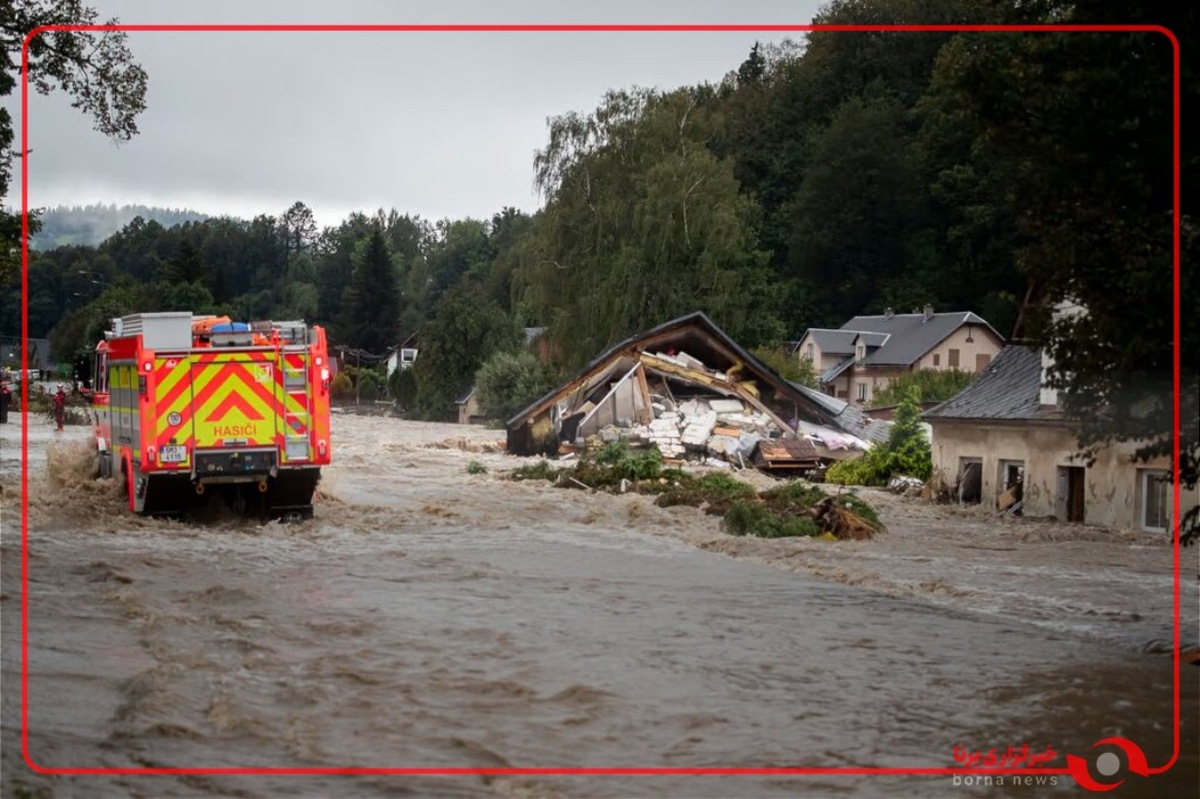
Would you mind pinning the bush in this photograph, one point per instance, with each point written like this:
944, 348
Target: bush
341, 387
793, 497
402, 387
508, 381
371, 385
615, 462
475, 467
542, 470
906, 452
930, 385
757, 519
717, 489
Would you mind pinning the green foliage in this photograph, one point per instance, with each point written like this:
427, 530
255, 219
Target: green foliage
858, 505
906, 453
508, 381
615, 462
859, 472
788, 366
792, 496
635, 201
930, 385
475, 467
95, 69
542, 470
716, 490
371, 385
372, 304
757, 519
467, 328
341, 387
402, 387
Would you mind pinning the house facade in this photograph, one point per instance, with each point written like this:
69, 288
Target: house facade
1003, 438
862, 357
402, 356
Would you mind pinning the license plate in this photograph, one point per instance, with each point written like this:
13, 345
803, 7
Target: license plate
175, 453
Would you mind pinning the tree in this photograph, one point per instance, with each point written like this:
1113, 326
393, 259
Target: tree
466, 329
373, 309
187, 266
642, 223
929, 385
297, 230
508, 381
1091, 192
95, 69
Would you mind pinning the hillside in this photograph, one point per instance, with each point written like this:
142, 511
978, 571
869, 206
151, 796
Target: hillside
91, 224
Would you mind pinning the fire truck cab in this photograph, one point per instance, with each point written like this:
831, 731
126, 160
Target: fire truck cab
186, 406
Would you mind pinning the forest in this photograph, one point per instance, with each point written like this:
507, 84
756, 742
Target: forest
836, 174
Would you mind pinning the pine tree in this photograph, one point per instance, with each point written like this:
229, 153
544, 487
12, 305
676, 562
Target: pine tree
372, 320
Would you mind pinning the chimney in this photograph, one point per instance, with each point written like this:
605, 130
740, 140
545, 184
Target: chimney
888, 313
928, 313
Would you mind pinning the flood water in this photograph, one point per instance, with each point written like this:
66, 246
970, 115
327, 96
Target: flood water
427, 618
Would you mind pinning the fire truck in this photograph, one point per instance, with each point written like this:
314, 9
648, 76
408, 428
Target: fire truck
186, 407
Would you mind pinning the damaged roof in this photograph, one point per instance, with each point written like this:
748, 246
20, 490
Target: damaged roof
850, 417
1008, 389
666, 335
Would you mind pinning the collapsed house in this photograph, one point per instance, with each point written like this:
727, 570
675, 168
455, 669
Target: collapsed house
690, 390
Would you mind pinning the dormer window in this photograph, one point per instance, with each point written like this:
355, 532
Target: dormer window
860, 351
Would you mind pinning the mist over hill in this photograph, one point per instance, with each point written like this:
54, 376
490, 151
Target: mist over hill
91, 224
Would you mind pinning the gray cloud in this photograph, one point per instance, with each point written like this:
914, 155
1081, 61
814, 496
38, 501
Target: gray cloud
436, 124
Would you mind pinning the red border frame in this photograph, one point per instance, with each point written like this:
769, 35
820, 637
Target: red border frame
552, 28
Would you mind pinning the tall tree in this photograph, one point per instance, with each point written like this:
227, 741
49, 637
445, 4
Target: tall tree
297, 230
467, 328
1091, 190
642, 223
373, 312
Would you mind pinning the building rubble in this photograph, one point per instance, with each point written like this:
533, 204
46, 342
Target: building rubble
690, 391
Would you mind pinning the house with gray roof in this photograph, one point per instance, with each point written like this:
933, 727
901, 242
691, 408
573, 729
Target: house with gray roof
862, 356
1003, 441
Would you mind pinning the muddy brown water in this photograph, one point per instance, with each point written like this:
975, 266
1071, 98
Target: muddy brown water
429, 618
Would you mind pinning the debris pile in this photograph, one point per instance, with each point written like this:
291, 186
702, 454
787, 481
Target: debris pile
692, 393
698, 422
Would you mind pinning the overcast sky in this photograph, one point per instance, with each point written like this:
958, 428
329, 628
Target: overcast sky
434, 124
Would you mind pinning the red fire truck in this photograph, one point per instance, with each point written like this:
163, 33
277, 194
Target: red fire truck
189, 406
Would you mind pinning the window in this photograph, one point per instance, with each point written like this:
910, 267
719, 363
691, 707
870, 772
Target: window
1156, 499
860, 351
953, 359
981, 362
862, 392
937, 359
812, 351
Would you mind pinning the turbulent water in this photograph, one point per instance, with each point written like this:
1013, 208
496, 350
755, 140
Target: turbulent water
427, 618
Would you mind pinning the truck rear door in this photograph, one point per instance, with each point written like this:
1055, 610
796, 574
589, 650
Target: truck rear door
234, 402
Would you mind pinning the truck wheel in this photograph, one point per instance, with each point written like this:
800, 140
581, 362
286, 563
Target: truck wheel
127, 469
